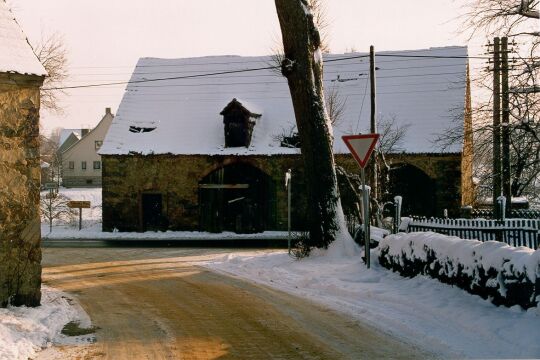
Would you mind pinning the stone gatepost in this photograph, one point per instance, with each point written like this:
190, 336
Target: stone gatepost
20, 236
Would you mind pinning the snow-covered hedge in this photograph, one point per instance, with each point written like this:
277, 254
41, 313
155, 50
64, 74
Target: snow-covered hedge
506, 275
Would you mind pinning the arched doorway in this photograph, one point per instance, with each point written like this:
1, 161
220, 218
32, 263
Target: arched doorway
238, 198
416, 188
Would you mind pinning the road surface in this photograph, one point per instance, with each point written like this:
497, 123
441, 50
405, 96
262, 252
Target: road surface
157, 304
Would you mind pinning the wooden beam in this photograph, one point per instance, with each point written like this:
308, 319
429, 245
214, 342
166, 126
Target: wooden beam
223, 186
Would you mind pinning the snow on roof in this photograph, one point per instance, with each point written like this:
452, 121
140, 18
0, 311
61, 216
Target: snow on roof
16, 54
424, 93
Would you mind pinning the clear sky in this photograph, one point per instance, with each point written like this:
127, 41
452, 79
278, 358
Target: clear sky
106, 37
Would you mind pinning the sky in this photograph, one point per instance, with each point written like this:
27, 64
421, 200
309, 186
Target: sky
105, 38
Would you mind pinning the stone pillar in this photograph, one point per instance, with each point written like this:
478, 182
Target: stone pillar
20, 236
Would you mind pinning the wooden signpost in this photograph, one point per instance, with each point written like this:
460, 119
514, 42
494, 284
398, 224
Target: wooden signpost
361, 147
79, 205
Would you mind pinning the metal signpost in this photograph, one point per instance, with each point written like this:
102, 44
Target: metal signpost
79, 205
288, 176
361, 147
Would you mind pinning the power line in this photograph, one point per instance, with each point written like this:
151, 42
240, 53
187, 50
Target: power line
231, 72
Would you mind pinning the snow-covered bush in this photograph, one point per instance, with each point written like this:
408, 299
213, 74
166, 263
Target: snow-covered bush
506, 275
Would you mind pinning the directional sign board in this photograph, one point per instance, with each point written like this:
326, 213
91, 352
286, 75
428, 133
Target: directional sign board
79, 204
51, 185
361, 146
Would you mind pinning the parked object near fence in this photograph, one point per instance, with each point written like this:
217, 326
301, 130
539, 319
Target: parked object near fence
515, 232
503, 274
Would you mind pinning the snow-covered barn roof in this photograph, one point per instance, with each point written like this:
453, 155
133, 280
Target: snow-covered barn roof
16, 54
424, 92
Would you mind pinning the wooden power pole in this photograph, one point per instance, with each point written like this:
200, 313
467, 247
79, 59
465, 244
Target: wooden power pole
373, 119
505, 132
497, 183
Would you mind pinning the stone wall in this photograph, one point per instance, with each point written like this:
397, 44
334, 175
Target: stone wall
20, 252
126, 178
443, 169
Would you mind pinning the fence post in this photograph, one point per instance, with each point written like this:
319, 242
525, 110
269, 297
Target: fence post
500, 217
397, 213
501, 208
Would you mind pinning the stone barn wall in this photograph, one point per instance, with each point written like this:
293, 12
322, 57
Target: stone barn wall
176, 177
20, 252
443, 169
126, 178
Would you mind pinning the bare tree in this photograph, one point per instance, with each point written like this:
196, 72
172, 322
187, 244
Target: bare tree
54, 208
391, 134
335, 105
518, 20
49, 151
302, 66
52, 53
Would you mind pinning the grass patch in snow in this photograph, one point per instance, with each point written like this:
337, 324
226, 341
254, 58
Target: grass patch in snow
73, 328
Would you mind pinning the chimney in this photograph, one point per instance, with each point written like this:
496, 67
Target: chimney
84, 132
108, 111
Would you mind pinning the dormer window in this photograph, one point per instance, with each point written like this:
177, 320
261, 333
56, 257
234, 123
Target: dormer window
239, 122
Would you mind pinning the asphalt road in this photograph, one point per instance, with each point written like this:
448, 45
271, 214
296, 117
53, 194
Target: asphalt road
155, 303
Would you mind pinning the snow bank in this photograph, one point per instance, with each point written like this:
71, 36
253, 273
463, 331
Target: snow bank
25, 331
439, 318
506, 275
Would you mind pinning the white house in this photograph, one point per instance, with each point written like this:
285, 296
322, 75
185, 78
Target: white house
81, 164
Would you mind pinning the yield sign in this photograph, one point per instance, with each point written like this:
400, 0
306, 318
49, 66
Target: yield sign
361, 146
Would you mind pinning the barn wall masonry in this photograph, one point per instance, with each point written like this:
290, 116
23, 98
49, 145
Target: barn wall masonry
126, 178
20, 252
443, 169
176, 177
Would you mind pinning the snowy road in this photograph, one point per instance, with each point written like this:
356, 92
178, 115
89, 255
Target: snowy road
155, 303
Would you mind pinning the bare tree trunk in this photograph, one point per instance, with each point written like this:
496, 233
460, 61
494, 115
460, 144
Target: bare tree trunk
303, 68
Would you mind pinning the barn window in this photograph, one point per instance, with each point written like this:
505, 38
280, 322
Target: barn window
239, 122
138, 129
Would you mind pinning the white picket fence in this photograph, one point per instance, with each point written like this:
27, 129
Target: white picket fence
515, 232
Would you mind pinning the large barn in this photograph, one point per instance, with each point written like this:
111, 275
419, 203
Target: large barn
190, 152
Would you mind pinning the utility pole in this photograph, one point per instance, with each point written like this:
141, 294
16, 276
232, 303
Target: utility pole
497, 183
373, 119
506, 170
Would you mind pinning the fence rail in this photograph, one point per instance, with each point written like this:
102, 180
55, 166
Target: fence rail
514, 214
515, 232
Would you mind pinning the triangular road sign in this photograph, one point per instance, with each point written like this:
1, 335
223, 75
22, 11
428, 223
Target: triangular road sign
361, 146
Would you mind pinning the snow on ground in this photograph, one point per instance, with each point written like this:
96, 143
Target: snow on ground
91, 225
440, 318
94, 232
26, 331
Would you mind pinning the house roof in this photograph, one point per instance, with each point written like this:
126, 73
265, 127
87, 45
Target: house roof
16, 54
82, 139
65, 133
424, 91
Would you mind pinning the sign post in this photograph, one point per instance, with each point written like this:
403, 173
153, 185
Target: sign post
79, 205
288, 178
361, 147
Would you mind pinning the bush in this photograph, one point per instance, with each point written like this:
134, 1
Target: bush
300, 247
506, 275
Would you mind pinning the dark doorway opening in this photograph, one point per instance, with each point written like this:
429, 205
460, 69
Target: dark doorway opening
238, 198
416, 188
152, 212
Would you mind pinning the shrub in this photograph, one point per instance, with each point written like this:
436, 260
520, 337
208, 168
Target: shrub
506, 275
